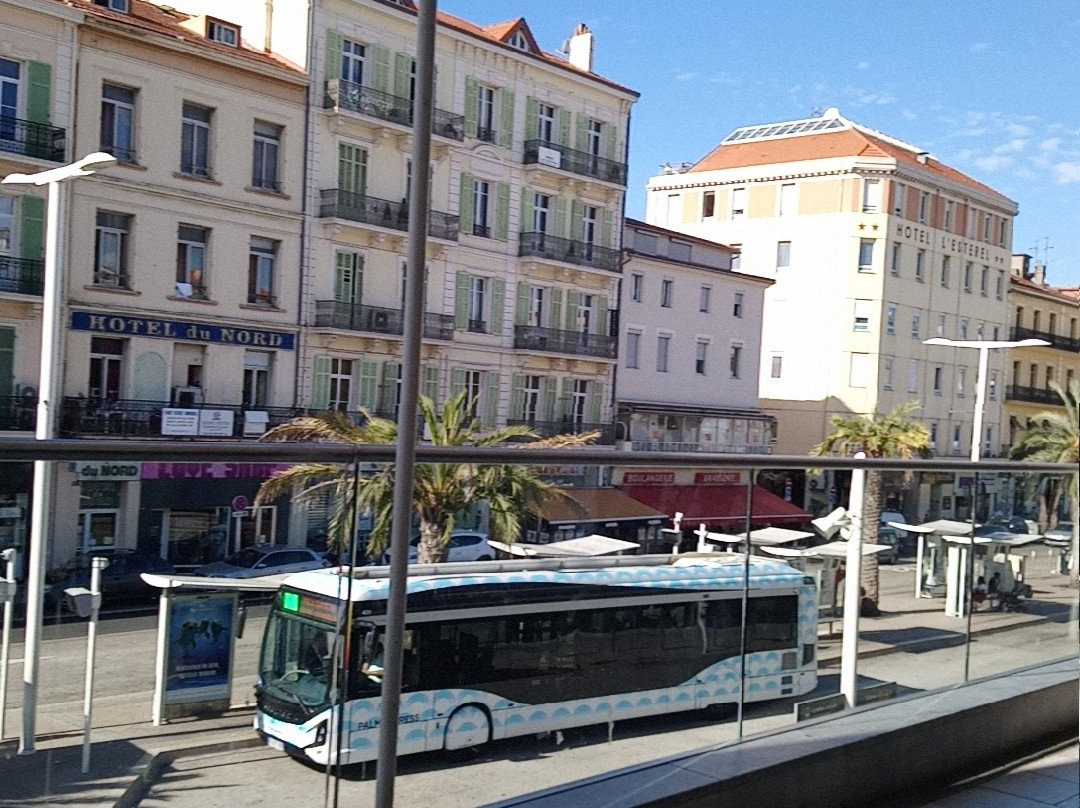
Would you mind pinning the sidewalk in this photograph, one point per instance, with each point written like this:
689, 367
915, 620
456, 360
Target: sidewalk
129, 753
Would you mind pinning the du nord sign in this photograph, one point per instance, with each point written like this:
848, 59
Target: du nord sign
125, 325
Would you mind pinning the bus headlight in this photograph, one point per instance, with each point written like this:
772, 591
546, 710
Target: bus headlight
320, 734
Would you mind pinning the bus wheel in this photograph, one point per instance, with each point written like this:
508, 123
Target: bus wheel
468, 726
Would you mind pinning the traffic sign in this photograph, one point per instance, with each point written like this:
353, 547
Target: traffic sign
239, 503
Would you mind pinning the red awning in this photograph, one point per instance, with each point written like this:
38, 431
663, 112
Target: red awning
718, 505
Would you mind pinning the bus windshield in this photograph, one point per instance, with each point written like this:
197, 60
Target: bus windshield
296, 663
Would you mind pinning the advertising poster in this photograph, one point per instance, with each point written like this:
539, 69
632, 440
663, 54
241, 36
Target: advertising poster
198, 659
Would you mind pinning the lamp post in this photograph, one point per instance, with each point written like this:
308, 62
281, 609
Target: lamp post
48, 391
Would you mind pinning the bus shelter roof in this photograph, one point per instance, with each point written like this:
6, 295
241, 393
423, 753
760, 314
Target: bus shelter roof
763, 537
263, 583
594, 545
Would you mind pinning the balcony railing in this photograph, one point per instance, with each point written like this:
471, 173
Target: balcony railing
546, 153
382, 213
571, 252
486, 134
1056, 340
32, 139
20, 275
341, 94
18, 413
378, 320
1035, 395
692, 446
547, 429
553, 340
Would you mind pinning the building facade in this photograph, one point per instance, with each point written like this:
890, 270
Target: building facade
875, 246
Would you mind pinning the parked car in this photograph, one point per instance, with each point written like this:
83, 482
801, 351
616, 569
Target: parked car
990, 531
1060, 536
251, 562
1017, 524
888, 536
120, 580
894, 516
465, 545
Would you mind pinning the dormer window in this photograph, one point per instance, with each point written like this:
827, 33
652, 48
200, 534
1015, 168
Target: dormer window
113, 5
220, 32
517, 40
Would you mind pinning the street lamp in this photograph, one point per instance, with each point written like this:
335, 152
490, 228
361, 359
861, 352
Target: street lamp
48, 391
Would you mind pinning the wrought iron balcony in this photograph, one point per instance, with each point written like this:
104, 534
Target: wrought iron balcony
1056, 340
546, 153
547, 429
1034, 395
486, 134
32, 139
571, 252
693, 446
21, 275
382, 213
341, 94
553, 340
131, 418
378, 320
18, 413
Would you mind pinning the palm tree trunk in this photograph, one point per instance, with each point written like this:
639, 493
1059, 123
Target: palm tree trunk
870, 578
432, 549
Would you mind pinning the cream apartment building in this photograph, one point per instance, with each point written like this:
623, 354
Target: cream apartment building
875, 246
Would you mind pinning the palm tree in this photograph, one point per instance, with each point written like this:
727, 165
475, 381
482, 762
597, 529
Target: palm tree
1055, 437
894, 434
440, 490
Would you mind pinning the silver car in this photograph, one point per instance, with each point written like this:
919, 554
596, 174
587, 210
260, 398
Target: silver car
251, 562
1060, 536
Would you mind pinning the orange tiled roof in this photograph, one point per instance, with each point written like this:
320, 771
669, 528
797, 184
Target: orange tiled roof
166, 21
849, 142
1066, 293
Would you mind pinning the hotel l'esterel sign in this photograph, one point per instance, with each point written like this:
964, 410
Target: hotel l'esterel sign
128, 326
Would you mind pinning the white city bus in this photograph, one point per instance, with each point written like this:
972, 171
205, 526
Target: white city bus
498, 649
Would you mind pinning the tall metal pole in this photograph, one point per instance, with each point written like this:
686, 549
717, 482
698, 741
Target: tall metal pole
745, 603
980, 402
405, 455
849, 653
44, 471
97, 565
5, 644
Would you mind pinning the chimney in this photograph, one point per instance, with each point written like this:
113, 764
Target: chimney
1038, 274
922, 157
581, 48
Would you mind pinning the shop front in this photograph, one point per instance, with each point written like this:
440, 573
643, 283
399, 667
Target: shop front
601, 511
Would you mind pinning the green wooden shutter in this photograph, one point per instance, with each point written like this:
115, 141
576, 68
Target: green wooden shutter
576, 212
367, 388
498, 305
565, 397
502, 211
429, 382
532, 116
403, 63
525, 224
352, 169
465, 204
596, 401
560, 217
320, 382
606, 228
581, 141
506, 136
491, 404
521, 310
31, 227
600, 325
612, 145
380, 73
517, 397
388, 390
555, 309
550, 393
7, 367
457, 381
573, 299
39, 91
461, 302
349, 277
470, 106
564, 127
333, 54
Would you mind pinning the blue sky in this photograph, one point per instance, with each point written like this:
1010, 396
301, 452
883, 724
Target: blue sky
989, 87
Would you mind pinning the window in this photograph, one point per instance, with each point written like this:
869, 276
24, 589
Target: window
737, 308
997, 333
633, 349
967, 276
1003, 228
646, 242
531, 387
986, 227
887, 373
485, 113
118, 122
913, 376
945, 271
890, 320
264, 160
545, 122
991, 389
592, 137
1049, 376
859, 372
938, 371
263, 257
541, 208
481, 205
256, 377
352, 61
980, 331
111, 250
99, 513
787, 199
341, 375
776, 366
667, 289
862, 315
700, 356
704, 298
941, 325
866, 254
663, 344
679, 250
950, 215
220, 32
956, 438
933, 434
916, 320
999, 284
637, 282
106, 368
984, 281
871, 196
783, 254
191, 261
535, 303
477, 294
924, 206
738, 203
708, 204
7, 224
195, 141
963, 329
898, 193
518, 41
590, 215
735, 360
961, 381
113, 5
894, 259
474, 391
920, 262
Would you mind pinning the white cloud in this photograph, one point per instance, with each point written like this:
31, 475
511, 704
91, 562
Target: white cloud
1014, 145
1050, 144
864, 65
995, 162
685, 76
863, 98
1066, 173
908, 114
1017, 130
